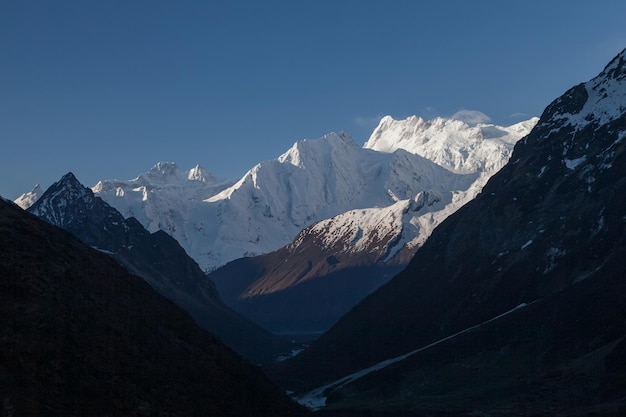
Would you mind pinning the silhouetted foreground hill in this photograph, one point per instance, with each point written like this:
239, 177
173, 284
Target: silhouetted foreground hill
80, 336
159, 260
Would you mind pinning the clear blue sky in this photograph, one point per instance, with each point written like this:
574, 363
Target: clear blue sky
108, 88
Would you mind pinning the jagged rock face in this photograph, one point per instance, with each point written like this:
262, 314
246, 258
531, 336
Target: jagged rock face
547, 231
83, 337
158, 259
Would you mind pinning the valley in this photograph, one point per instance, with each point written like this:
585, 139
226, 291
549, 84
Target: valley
442, 268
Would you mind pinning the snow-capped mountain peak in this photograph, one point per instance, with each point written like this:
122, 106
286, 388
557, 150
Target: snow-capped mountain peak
28, 199
329, 144
170, 173
198, 173
68, 184
53, 204
166, 174
162, 197
164, 169
365, 230
598, 101
308, 166
453, 144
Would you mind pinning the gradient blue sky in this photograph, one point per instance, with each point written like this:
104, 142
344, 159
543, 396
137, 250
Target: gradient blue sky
108, 88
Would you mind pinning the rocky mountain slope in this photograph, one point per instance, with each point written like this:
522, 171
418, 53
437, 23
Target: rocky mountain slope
309, 284
515, 304
83, 337
158, 259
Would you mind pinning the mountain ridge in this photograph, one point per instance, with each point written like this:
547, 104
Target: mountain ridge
158, 259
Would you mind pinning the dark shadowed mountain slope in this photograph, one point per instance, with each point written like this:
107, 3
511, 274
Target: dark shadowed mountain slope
545, 242
83, 337
305, 287
158, 259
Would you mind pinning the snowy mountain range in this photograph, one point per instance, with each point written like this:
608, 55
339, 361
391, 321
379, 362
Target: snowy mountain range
435, 165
